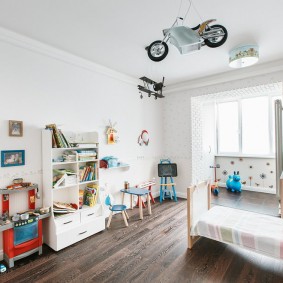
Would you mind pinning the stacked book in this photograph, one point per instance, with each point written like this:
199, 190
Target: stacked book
69, 156
58, 139
60, 207
90, 194
88, 172
64, 177
85, 155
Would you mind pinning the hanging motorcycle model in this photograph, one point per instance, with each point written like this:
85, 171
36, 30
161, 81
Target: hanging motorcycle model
187, 39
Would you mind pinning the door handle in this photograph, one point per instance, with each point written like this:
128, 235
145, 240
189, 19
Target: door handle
82, 233
68, 222
90, 214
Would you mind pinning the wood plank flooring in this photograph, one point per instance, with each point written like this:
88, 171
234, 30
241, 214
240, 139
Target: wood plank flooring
150, 250
247, 200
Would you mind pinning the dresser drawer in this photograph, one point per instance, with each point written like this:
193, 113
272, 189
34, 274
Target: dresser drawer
67, 222
79, 233
91, 213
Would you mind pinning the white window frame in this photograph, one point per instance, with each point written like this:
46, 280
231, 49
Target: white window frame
271, 127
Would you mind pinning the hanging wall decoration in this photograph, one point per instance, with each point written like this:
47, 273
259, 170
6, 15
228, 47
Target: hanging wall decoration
15, 128
111, 132
12, 158
143, 138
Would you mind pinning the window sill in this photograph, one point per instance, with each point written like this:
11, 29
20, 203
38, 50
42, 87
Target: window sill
245, 156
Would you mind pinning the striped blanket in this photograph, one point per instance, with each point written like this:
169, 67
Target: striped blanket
257, 232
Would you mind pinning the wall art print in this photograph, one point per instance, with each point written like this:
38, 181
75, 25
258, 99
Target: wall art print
15, 128
12, 158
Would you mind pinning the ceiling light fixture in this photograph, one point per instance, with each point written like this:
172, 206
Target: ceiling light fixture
243, 56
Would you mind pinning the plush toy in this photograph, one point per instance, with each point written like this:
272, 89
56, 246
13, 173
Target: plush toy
233, 183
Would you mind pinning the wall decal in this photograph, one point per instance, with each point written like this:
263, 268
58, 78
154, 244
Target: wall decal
253, 170
250, 178
257, 184
262, 176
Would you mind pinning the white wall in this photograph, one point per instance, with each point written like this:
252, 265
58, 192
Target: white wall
250, 170
179, 117
39, 88
177, 137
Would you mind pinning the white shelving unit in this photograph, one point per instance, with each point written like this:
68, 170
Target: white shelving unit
118, 166
63, 230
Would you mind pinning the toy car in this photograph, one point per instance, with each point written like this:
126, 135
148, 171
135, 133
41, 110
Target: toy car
2, 268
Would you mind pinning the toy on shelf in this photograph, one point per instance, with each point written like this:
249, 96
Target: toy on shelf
109, 162
214, 186
233, 183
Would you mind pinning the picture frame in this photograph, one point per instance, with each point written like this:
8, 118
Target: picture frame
12, 158
15, 128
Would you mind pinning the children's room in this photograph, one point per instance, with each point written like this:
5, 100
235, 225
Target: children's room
141, 141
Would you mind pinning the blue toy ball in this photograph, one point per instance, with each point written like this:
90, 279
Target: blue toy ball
233, 183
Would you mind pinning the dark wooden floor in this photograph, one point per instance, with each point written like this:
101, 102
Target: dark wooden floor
151, 250
247, 200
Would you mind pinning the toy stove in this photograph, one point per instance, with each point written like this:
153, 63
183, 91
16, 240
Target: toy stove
25, 236
24, 239
25, 230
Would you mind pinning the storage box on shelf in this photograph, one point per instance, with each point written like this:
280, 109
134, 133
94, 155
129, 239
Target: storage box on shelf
77, 168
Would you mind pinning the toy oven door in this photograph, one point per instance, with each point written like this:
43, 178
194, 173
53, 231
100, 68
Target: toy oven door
25, 233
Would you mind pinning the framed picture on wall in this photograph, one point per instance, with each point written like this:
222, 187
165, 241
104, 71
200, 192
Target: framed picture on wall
15, 128
12, 158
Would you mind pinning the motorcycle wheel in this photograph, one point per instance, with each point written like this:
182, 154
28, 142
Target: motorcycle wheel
217, 40
157, 50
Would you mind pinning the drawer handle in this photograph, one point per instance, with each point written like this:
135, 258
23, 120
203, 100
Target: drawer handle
90, 214
68, 222
82, 233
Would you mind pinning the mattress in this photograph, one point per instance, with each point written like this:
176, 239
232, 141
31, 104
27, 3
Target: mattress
253, 231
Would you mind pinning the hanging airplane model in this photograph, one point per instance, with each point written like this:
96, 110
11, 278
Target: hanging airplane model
151, 88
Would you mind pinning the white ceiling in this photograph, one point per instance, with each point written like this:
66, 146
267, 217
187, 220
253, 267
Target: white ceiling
114, 33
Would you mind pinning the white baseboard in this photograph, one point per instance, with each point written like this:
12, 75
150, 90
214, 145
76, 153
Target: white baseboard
179, 194
253, 189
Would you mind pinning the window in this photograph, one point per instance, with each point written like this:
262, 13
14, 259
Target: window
228, 125
246, 126
255, 126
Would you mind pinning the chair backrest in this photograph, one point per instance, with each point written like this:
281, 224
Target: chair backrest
109, 200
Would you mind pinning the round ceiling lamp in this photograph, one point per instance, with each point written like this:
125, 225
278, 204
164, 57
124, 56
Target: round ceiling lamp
243, 56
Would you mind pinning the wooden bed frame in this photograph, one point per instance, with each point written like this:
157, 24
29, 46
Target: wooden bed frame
206, 187
199, 198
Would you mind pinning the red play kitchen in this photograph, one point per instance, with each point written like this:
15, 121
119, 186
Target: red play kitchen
22, 233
